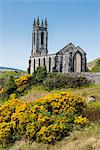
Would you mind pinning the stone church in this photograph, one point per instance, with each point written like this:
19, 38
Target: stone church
68, 59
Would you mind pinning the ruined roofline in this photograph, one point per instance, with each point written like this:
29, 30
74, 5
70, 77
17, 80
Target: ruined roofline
70, 45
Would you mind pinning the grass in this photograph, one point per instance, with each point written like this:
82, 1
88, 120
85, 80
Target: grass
5, 74
34, 93
89, 91
96, 104
39, 91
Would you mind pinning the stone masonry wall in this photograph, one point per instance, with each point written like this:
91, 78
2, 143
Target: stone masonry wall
94, 77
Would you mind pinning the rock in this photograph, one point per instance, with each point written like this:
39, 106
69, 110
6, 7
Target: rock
92, 98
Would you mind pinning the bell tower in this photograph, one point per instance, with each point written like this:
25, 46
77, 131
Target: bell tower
39, 38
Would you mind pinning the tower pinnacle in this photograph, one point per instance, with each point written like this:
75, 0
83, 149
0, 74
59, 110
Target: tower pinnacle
45, 23
37, 23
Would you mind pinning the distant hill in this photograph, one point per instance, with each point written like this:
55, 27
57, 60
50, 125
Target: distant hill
10, 69
94, 65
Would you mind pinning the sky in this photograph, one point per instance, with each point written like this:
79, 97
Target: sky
75, 21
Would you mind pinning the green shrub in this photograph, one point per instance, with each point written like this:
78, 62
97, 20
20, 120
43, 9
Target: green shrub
40, 74
9, 88
23, 83
56, 80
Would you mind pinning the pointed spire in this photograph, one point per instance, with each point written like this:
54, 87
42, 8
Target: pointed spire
34, 24
45, 23
37, 22
42, 23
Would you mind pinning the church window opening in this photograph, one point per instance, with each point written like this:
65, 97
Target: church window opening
61, 64
43, 61
39, 62
42, 38
34, 64
49, 64
77, 63
34, 38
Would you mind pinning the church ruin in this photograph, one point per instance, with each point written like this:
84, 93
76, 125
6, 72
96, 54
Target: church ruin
68, 59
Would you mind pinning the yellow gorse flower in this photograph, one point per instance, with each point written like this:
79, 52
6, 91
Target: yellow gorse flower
23, 79
44, 120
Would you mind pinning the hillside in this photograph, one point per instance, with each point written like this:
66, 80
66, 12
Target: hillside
36, 115
87, 138
94, 65
10, 69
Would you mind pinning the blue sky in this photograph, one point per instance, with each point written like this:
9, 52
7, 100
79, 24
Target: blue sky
76, 21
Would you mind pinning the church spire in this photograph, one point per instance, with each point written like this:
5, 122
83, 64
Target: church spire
34, 24
37, 22
42, 23
45, 23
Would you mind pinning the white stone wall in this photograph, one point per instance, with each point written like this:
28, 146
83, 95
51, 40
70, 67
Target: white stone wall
41, 62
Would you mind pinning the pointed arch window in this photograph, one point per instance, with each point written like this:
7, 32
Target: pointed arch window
77, 62
39, 62
49, 64
34, 38
43, 61
42, 38
34, 64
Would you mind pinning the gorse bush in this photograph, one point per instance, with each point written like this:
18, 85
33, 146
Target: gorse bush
23, 84
17, 86
23, 80
82, 121
56, 80
46, 120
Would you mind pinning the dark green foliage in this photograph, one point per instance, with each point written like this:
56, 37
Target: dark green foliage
40, 77
10, 86
40, 74
56, 80
2, 82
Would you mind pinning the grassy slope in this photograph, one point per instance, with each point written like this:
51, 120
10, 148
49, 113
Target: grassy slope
94, 66
37, 92
5, 74
88, 139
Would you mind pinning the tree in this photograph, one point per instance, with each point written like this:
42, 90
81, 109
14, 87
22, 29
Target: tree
10, 86
40, 74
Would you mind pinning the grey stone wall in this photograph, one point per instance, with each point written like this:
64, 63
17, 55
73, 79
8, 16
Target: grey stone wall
94, 77
39, 38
